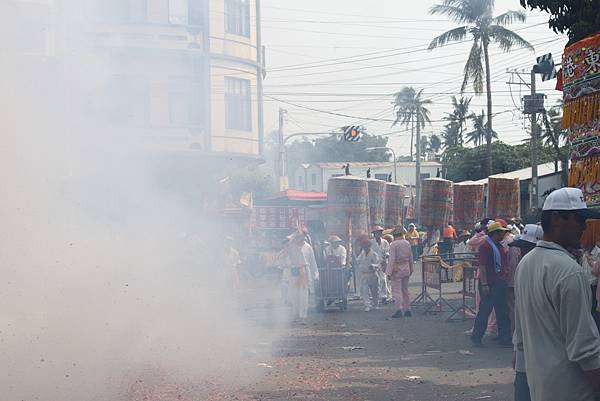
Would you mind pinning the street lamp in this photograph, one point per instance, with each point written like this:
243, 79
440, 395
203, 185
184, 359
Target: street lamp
393, 155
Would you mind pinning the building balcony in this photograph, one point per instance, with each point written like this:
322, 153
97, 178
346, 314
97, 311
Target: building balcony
144, 35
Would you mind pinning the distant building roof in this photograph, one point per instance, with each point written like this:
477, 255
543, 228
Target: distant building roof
365, 165
523, 174
295, 195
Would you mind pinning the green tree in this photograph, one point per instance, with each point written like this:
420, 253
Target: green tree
424, 144
409, 106
410, 109
254, 179
333, 149
468, 163
477, 136
450, 135
553, 134
577, 18
460, 116
484, 29
435, 143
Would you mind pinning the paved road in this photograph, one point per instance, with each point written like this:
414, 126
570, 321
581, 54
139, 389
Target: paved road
423, 358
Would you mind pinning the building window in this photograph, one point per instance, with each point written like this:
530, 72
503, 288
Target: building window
300, 181
313, 179
238, 110
186, 12
237, 17
121, 11
178, 12
196, 12
186, 104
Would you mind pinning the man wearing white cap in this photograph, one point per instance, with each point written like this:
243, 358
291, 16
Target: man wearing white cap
554, 327
521, 246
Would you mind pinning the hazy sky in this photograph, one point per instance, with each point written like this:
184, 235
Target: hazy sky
374, 48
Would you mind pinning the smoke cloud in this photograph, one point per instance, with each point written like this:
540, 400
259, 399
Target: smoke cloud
113, 281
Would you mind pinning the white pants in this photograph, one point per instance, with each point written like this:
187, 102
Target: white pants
369, 286
385, 290
298, 296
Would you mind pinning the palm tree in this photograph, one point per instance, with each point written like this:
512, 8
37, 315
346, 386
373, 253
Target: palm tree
409, 107
479, 133
450, 135
553, 134
435, 143
483, 28
424, 146
460, 115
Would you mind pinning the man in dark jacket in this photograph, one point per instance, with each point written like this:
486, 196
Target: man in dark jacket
493, 286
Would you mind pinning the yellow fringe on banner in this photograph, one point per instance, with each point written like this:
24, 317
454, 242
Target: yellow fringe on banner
581, 111
585, 172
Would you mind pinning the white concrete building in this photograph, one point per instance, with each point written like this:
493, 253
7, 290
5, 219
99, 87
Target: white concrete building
314, 177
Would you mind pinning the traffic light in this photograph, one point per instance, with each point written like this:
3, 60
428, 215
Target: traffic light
352, 133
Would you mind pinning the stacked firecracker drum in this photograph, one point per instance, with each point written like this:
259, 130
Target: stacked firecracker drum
376, 189
504, 197
581, 115
394, 204
468, 204
347, 206
437, 200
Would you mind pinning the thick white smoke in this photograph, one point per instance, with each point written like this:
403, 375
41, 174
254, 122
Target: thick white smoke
110, 280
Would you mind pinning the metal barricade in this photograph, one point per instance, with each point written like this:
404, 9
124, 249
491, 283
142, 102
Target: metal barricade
432, 278
332, 287
469, 292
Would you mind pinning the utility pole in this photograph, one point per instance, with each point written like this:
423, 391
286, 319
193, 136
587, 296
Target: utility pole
281, 159
532, 105
533, 203
260, 75
418, 172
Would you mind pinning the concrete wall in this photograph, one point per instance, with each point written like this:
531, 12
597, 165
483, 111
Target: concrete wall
308, 179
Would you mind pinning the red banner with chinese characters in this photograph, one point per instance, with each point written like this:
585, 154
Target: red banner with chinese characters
581, 115
581, 84
274, 217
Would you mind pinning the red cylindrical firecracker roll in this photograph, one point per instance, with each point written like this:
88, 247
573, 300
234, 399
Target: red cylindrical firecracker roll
347, 206
437, 201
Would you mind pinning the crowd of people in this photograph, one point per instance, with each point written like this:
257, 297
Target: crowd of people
537, 290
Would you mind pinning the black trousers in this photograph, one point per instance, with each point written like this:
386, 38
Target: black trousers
595, 314
521, 387
497, 300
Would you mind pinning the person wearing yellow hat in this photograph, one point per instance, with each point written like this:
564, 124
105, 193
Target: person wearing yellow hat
413, 237
493, 286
